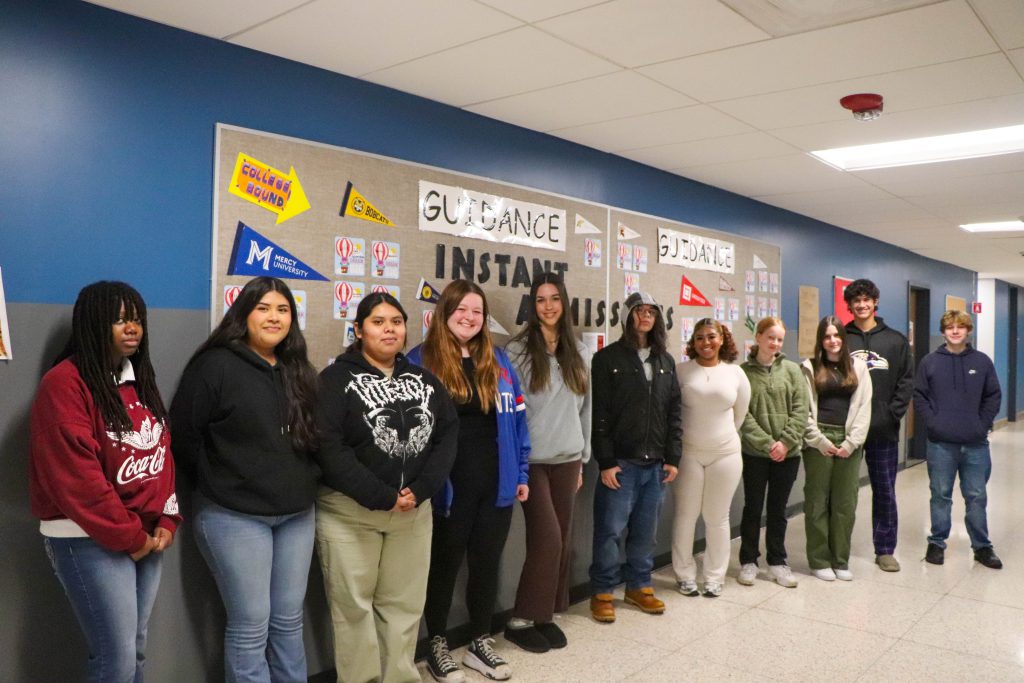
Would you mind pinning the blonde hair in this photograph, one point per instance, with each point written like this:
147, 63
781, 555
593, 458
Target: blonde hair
950, 318
763, 325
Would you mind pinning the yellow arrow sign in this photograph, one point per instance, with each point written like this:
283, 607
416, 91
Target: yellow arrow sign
268, 187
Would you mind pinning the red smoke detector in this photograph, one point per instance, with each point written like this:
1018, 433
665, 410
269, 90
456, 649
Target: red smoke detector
865, 106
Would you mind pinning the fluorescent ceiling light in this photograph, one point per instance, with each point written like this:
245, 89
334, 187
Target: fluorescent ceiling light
999, 226
978, 143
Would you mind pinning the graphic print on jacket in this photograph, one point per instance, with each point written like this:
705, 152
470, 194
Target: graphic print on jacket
873, 360
397, 411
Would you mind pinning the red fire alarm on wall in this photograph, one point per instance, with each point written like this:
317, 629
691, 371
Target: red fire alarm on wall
976, 307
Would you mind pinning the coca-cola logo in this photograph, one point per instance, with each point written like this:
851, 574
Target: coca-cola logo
133, 469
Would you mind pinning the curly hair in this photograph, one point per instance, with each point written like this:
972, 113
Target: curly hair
727, 351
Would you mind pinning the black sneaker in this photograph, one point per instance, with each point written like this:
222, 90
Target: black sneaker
481, 657
934, 554
528, 638
554, 635
441, 664
988, 557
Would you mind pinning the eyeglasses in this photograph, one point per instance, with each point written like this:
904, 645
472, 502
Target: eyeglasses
645, 312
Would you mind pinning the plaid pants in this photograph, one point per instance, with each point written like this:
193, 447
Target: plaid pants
882, 458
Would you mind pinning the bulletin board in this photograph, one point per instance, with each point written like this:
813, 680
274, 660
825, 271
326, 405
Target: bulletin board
337, 224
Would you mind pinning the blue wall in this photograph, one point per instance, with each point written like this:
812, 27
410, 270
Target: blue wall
107, 134
1001, 355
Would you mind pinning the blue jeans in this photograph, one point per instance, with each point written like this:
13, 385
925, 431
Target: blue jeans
974, 464
112, 598
261, 565
632, 509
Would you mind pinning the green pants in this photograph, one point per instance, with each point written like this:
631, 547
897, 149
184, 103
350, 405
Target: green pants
830, 502
375, 573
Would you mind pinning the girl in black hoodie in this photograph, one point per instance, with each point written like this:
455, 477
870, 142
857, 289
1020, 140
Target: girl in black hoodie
244, 431
389, 433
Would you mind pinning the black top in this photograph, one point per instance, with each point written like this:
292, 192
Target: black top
478, 431
231, 438
381, 434
833, 399
891, 366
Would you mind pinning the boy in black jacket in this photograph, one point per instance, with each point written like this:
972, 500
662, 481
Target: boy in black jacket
957, 394
887, 354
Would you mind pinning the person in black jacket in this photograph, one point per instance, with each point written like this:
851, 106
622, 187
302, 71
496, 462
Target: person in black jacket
636, 438
244, 429
389, 433
887, 354
957, 393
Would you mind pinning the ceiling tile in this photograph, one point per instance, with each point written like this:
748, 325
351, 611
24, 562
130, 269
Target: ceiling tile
356, 38
974, 212
613, 96
214, 19
952, 118
960, 81
771, 176
637, 32
535, 10
890, 208
802, 200
518, 61
924, 176
715, 151
917, 37
1004, 18
677, 125
1017, 57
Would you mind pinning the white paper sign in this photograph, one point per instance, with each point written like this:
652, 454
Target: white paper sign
693, 251
465, 213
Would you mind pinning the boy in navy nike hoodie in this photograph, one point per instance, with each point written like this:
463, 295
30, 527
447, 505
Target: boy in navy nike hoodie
957, 393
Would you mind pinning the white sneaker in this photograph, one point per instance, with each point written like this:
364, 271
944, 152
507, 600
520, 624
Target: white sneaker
712, 589
783, 575
748, 573
825, 574
688, 588
481, 657
844, 574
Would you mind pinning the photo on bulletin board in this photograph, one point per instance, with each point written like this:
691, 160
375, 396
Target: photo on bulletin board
955, 303
5, 329
839, 285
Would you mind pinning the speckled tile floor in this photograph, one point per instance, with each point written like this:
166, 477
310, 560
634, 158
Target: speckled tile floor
955, 622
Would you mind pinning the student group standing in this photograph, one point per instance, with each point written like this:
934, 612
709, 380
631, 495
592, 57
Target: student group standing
398, 468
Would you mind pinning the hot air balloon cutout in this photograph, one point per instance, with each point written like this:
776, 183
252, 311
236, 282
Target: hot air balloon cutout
230, 294
385, 259
393, 290
640, 259
592, 252
428, 315
300, 307
625, 260
350, 256
347, 296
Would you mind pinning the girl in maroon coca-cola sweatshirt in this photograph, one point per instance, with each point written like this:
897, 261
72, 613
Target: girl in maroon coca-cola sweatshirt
101, 477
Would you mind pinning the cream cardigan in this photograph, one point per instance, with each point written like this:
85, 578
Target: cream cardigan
857, 420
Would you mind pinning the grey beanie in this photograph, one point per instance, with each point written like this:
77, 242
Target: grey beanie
638, 299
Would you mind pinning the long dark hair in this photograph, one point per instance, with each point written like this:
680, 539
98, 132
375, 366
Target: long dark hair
299, 376
827, 373
571, 363
656, 338
442, 353
365, 308
727, 351
91, 349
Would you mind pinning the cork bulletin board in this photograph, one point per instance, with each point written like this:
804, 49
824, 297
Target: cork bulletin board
337, 224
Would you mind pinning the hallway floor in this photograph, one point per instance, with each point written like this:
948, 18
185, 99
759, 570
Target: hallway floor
955, 622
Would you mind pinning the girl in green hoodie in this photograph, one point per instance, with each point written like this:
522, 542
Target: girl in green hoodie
772, 434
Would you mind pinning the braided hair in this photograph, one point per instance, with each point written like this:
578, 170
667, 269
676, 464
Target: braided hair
91, 349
